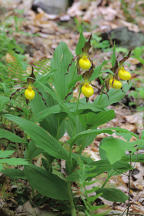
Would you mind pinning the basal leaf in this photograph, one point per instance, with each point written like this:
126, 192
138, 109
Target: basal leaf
46, 112
32, 151
46, 183
6, 153
10, 136
14, 161
42, 139
14, 173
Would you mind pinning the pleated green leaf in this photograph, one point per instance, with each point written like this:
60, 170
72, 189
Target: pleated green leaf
113, 194
61, 60
10, 136
6, 153
46, 183
14, 161
42, 139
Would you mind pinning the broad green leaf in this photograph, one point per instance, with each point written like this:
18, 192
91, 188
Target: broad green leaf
43, 112
72, 77
4, 100
14, 161
121, 167
89, 132
10, 136
42, 139
46, 112
6, 153
14, 173
104, 101
97, 71
113, 194
48, 90
80, 44
82, 105
46, 183
114, 96
47, 95
61, 60
94, 120
76, 125
87, 121
74, 176
1, 167
138, 51
115, 148
37, 105
32, 151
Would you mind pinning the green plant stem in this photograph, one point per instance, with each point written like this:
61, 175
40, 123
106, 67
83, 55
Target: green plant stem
78, 100
107, 179
129, 184
73, 210
70, 157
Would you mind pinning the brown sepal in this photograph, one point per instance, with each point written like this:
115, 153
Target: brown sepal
125, 58
27, 101
107, 84
87, 74
31, 78
87, 99
19, 89
115, 68
87, 45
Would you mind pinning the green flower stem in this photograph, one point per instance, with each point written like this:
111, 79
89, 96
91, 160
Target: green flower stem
78, 99
73, 210
70, 157
107, 179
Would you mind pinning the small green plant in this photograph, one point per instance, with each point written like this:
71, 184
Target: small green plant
55, 112
138, 54
97, 42
138, 92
